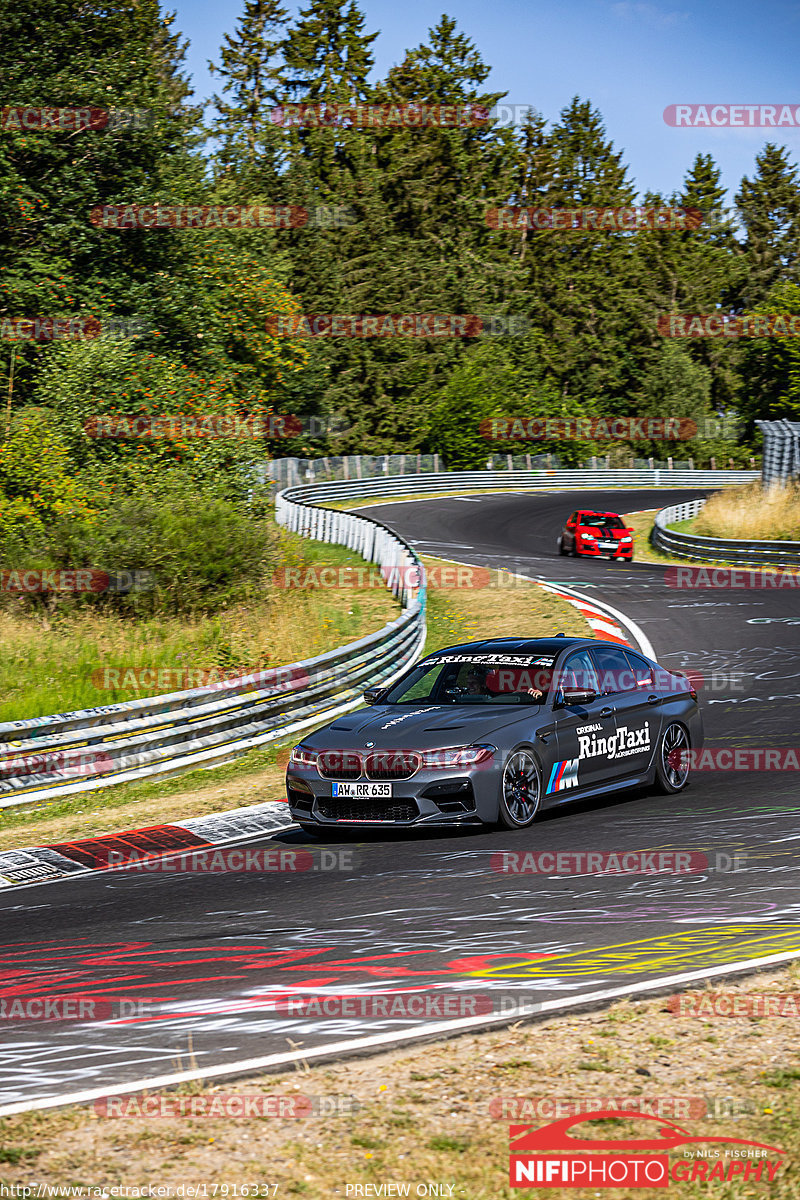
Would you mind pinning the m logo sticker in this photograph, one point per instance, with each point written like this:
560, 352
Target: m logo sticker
563, 775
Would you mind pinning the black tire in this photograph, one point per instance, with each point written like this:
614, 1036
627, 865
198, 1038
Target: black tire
672, 775
561, 549
520, 790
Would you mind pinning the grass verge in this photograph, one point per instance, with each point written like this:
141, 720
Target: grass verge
504, 608
643, 549
435, 1113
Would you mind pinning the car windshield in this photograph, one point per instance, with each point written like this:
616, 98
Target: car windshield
479, 679
602, 520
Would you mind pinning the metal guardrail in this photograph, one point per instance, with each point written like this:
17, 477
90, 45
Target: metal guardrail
514, 481
710, 549
163, 735
179, 731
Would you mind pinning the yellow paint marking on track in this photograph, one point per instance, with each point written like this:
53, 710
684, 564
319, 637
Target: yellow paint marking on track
710, 945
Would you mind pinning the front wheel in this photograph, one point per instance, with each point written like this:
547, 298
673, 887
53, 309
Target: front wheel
561, 549
520, 791
672, 760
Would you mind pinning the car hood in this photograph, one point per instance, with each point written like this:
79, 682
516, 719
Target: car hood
426, 728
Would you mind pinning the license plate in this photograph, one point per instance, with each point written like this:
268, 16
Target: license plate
607, 545
362, 791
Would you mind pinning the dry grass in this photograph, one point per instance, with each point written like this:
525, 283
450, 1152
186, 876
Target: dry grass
752, 513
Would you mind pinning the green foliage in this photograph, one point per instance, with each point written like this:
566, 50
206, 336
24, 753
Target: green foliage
190, 548
771, 367
202, 551
494, 382
37, 484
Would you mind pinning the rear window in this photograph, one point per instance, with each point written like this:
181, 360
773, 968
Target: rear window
642, 671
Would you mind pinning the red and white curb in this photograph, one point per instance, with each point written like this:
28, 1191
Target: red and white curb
85, 856
602, 625
609, 623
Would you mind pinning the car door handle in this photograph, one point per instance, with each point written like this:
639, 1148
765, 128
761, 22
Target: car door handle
605, 712
653, 699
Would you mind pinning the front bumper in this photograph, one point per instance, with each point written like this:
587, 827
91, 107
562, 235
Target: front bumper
430, 797
590, 549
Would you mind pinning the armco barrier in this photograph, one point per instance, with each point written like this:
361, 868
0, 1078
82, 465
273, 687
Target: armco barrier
168, 734
182, 730
710, 549
513, 481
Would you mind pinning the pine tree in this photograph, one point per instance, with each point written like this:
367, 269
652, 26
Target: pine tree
582, 287
251, 64
769, 207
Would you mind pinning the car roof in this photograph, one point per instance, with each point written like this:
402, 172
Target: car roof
506, 645
596, 512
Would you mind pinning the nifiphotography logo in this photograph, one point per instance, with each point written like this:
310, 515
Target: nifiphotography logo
599, 1162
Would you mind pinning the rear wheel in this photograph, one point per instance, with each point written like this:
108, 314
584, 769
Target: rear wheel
672, 760
561, 549
520, 790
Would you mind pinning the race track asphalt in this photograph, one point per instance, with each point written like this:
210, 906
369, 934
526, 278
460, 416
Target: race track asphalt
203, 957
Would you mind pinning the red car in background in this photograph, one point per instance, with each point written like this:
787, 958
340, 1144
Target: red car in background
596, 535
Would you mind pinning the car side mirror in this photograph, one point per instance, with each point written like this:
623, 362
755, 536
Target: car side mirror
571, 696
374, 695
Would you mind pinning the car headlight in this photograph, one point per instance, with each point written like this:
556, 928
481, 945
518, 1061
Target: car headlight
458, 756
593, 535
303, 756
625, 539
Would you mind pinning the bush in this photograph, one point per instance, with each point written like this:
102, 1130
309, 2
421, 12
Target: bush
199, 549
37, 486
202, 551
